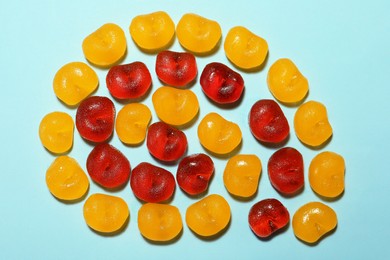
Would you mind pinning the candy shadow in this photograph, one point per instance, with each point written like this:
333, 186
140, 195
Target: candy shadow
164, 243
320, 239
114, 233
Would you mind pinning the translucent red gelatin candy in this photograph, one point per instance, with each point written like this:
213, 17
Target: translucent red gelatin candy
267, 216
285, 170
267, 122
95, 118
221, 84
194, 173
128, 81
165, 142
151, 183
107, 166
176, 68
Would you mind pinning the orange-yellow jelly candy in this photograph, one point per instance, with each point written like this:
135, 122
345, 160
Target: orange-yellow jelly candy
209, 216
159, 222
74, 82
219, 135
242, 174
66, 180
245, 49
56, 132
312, 221
286, 82
105, 213
311, 124
132, 122
326, 174
153, 31
105, 46
198, 34
175, 106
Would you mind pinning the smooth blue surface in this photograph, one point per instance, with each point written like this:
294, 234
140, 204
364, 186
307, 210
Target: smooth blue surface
342, 47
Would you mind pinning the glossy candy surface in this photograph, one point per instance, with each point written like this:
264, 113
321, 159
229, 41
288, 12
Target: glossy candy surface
74, 81
151, 183
153, 31
268, 216
194, 173
286, 170
95, 118
326, 174
129, 81
176, 69
208, 216
105, 46
159, 222
66, 180
198, 34
221, 84
108, 166
56, 132
165, 142
132, 122
267, 122
312, 221
245, 49
311, 124
219, 135
241, 175
105, 213
176, 107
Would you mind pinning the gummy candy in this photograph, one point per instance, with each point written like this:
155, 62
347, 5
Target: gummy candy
66, 180
159, 222
194, 173
107, 166
312, 221
285, 170
105, 46
176, 107
128, 81
241, 175
105, 213
95, 118
165, 142
74, 81
218, 135
152, 32
56, 132
176, 69
198, 34
267, 122
326, 174
245, 49
132, 122
311, 124
267, 217
221, 84
208, 216
151, 183
286, 82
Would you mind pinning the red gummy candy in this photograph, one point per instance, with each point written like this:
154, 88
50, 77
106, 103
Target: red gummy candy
267, 216
194, 173
221, 84
128, 81
95, 118
151, 183
285, 170
107, 166
165, 142
267, 122
176, 68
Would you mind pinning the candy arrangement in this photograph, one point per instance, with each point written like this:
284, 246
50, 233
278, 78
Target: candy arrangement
176, 106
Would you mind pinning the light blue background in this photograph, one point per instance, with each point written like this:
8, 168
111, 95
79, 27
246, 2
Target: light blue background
341, 46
